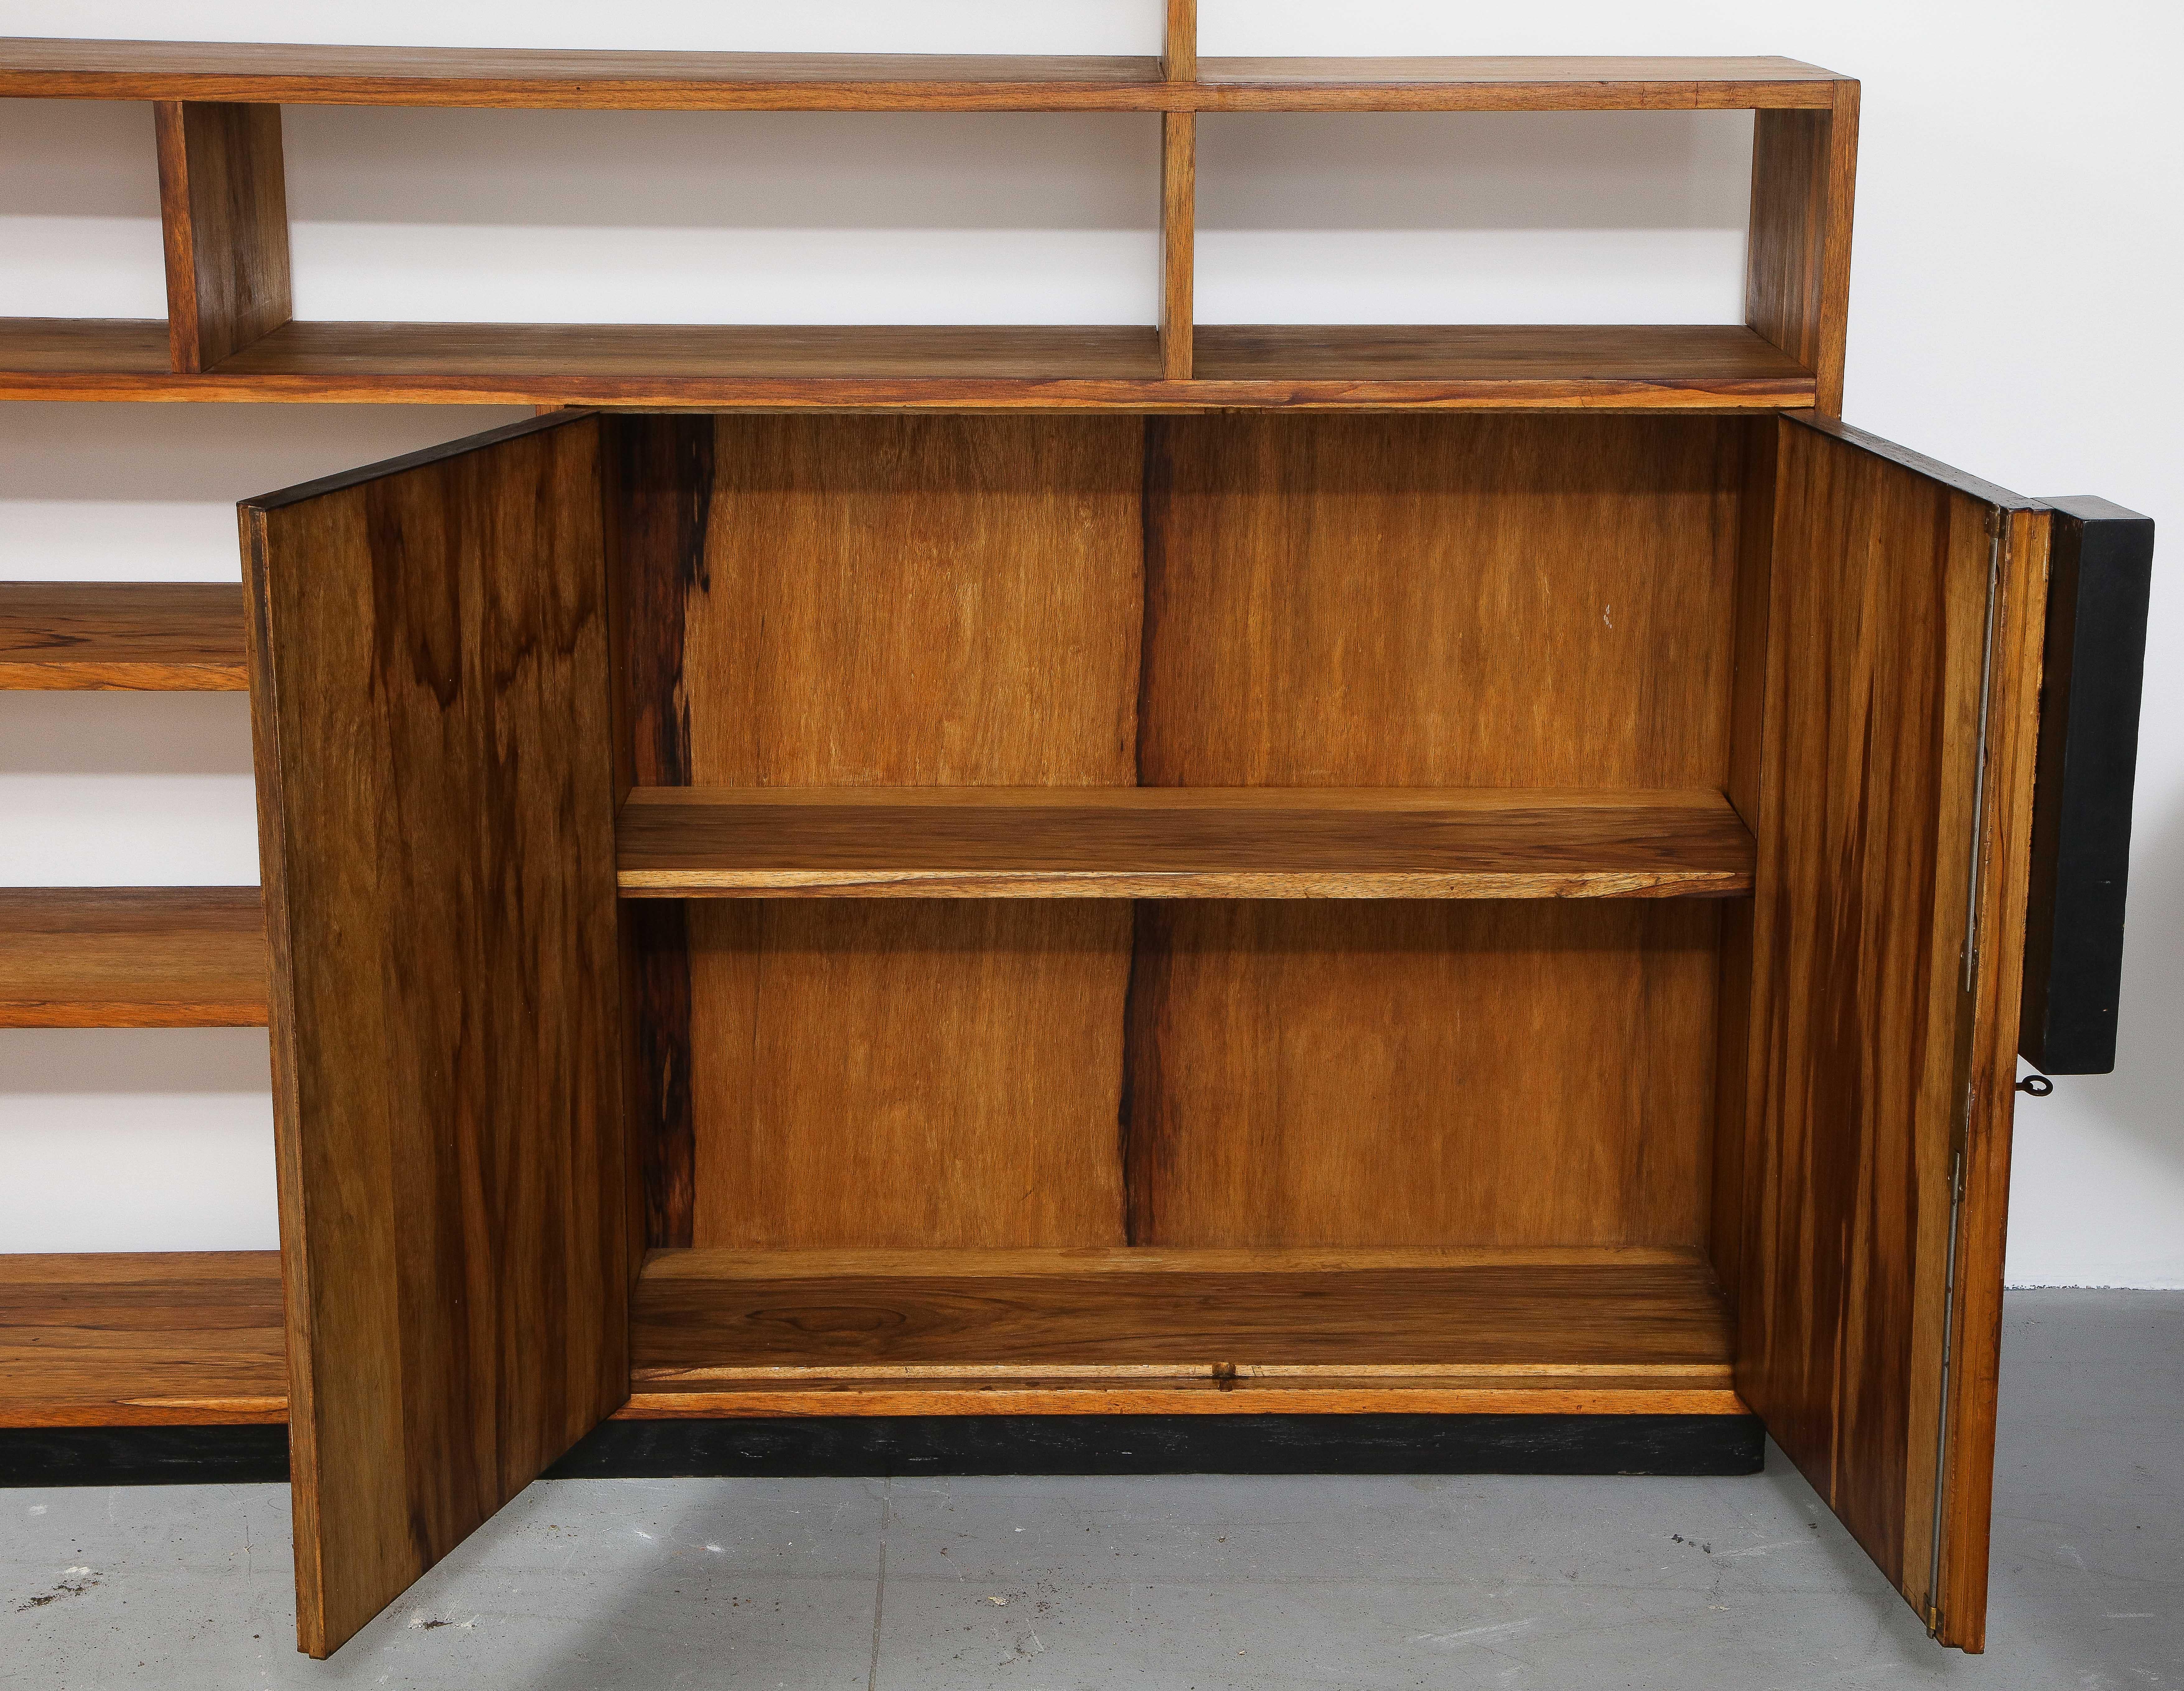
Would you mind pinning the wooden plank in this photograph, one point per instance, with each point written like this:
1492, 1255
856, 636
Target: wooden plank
1180, 47
132, 958
1804, 169
167, 1338
223, 214
429, 681
967, 1089
1489, 366
1179, 241
1179, 842
1873, 1023
531, 77
99, 636
1247, 1331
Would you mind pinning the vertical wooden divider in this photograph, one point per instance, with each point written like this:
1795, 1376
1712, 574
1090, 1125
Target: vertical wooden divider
1179, 194
1804, 168
224, 215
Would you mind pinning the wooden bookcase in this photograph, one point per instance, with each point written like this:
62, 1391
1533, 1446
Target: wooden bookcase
1190, 871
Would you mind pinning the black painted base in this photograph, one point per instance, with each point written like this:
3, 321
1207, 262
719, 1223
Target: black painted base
876, 1445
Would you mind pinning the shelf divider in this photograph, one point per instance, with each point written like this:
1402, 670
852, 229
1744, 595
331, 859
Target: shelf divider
136, 637
224, 213
1178, 842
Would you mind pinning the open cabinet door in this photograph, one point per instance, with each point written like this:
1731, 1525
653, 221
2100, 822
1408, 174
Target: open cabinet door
1886, 768
429, 687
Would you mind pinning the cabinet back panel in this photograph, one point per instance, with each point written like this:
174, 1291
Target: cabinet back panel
1421, 1073
941, 602
1488, 601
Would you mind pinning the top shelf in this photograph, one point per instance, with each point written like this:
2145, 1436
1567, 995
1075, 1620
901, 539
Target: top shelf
534, 78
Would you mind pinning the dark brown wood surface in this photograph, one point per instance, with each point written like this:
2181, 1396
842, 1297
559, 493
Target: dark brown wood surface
165, 1338
224, 212
183, 637
1874, 1025
1804, 169
1027, 1309
132, 958
1010, 367
430, 680
535, 77
1180, 842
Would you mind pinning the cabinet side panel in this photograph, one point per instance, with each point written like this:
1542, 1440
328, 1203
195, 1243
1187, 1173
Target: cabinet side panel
1503, 601
922, 601
1863, 985
430, 668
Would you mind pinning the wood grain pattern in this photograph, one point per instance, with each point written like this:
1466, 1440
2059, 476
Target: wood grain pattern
1179, 241
132, 958
430, 677
1867, 1003
1011, 367
2004, 849
1209, 1395
1179, 842
1804, 169
99, 636
1337, 1074
167, 1338
1382, 579
1103, 1310
933, 601
531, 77
224, 214
1179, 45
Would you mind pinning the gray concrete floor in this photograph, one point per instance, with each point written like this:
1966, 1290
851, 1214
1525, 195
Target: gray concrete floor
1176, 1583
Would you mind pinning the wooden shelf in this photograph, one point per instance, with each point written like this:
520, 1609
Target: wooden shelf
1180, 1331
1178, 842
46, 69
132, 958
122, 637
124, 1339
1706, 367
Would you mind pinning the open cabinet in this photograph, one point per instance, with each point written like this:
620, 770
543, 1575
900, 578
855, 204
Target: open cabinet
853, 915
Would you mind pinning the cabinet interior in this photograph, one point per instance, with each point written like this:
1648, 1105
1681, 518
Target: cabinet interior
1020, 1139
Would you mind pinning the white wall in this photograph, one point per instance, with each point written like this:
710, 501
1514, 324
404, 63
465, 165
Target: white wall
2012, 312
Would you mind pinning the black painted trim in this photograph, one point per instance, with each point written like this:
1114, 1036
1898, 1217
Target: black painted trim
2100, 578
910, 1445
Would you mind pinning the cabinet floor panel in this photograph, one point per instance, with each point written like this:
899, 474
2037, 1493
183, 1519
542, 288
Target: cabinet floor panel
1179, 842
186, 956
1138, 1331
141, 1339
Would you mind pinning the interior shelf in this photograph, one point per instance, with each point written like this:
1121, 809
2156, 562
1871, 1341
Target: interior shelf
1633, 1330
1704, 366
129, 1339
690, 81
132, 958
1178, 842
122, 636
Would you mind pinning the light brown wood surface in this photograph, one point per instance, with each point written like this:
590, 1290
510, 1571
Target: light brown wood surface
1180, 842
1804, 166
224, 212
132, 958
1008, 367
98, 636
429, 668
536, 77
1179, 241
1866, 1005
945, 602
163, 1338
1179, 45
